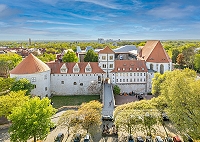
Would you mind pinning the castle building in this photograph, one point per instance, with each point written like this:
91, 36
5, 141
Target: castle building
86, 78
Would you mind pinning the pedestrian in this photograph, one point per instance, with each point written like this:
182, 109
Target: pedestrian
109, 103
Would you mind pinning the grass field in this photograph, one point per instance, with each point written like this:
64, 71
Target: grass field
59, 101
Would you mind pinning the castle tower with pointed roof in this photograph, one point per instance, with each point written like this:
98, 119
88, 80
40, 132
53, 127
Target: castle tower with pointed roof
37, 72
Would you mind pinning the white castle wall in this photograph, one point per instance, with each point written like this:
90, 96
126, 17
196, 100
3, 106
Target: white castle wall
137, 88
63, 84
156, 66
41, 80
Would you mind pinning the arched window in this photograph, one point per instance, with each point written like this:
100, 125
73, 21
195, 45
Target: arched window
161, 69
151, 66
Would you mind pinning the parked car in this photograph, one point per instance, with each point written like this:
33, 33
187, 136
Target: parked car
187, 138
149, 139
59, 137
130, 138
87, 138
158, 139
165, 117
77, 137
176, 139
139, 139
168, 139
107, 118
140, 97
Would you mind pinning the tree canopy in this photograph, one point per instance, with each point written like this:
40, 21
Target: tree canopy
22, 84
180, 90
91, 56
31, 120
116, 90
10, 101
89, 115
70, 56
8, 61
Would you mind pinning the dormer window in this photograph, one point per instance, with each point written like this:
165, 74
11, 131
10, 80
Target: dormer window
123, 69
137, 68
130, 68
63, 69
76, 68
118, 69
88, 68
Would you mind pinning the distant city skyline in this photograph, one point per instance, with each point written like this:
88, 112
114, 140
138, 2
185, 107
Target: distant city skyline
93, 19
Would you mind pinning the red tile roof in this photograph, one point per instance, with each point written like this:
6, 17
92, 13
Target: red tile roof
107, 50
55, 67
130, 66
153, 51
30, 65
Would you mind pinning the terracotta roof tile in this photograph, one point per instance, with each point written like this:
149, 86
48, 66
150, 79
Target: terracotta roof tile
153, 51
30, 65
55, 67
130, 66
107, 50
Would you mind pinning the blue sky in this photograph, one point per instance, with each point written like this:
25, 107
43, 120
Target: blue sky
93, 19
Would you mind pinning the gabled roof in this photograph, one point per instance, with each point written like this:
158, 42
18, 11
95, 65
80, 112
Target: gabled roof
125, 49
130, 66
107, 50
153, 51
55, 67
30, 65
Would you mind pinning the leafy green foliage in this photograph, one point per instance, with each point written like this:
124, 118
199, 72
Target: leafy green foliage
8, 61
116, 90
70, 56
47, 57
197, 62
31, 120
68, 120
12, 100
91, 56
22, 84
6, 83
156, 82
89, 115
181, 92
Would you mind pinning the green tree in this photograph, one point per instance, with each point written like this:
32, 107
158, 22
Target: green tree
89, 115
156, 82
128, 121
5, 84
197, 62
68, 120
181, 91
91, 56
70, 56
10, 101
47, 57
175, 53
22, 84
149, 120
31, 120
189, 54
8, 61
116, 90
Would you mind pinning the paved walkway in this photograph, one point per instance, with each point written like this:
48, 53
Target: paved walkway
108, 106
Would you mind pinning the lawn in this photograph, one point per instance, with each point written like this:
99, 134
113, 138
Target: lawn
59, 101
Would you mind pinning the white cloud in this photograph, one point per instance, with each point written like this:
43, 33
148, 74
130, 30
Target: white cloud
171, 11
103, 3
52, 22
